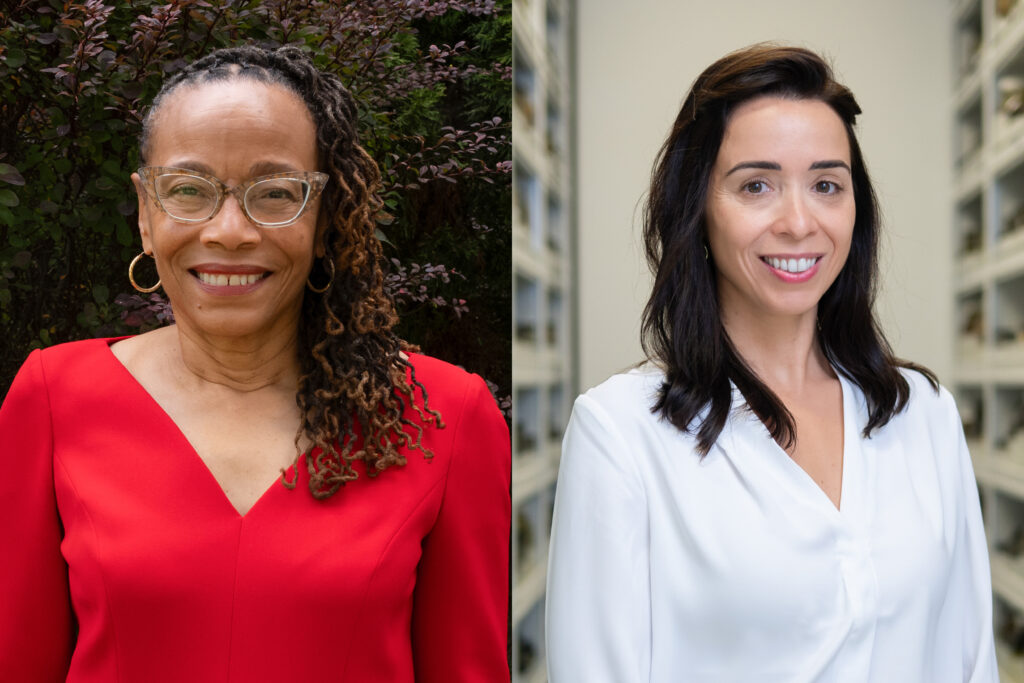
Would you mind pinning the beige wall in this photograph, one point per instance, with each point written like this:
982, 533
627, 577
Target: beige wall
635, 62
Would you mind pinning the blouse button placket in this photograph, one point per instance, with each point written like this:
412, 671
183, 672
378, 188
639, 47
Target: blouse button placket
861, 584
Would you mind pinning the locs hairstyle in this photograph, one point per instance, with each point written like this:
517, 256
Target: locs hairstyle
682, 329
353, 380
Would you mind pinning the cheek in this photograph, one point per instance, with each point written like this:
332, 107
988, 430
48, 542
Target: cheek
843, 235
300, 247
732, 231
164, 240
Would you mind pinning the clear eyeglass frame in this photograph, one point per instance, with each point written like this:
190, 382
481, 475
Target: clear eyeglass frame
314, 179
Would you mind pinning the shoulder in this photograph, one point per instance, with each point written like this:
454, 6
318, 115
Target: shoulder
620, 409
74, 357
924, 399
443, 381
928, 412
439, 370
474, 431
55, 369
463, 398
633, 392
613, 442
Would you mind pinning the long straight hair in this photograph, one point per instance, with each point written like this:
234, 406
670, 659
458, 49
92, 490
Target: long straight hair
682, 327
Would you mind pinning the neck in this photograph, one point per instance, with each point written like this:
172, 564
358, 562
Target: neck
783, 351
241, 363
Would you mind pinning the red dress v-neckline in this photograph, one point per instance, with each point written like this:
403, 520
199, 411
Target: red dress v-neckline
196, 461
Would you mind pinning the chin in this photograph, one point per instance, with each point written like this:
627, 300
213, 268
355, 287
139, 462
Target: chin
237, 324
794, 309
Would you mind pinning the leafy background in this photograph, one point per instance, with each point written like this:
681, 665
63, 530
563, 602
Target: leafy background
433, 82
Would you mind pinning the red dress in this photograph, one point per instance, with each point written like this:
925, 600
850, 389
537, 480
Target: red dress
123, 560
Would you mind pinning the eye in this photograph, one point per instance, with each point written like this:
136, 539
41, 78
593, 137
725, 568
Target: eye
278, 190
185, 189
755, 187
826, 187
277, 193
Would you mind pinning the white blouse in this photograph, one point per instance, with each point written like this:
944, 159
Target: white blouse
738, 567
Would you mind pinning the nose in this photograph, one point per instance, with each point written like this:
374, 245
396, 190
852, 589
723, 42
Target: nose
229, 227
796, 216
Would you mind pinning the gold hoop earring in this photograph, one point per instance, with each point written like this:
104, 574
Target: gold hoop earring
131, 277
330, 279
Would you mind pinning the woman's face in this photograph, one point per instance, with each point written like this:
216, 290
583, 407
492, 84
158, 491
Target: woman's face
226, 276
780, 208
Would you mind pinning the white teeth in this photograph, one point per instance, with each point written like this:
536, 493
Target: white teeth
791, 265
221, 280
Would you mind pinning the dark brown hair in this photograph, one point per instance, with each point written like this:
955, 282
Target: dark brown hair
682, 329
353, 385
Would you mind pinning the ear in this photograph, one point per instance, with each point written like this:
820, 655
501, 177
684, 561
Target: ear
144, 227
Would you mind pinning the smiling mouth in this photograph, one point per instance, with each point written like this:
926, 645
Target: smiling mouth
791, 265
226, 280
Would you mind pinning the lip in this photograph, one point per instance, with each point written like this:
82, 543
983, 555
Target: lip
793, 278
229, 269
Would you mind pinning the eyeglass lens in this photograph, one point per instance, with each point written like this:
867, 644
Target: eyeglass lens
275, 200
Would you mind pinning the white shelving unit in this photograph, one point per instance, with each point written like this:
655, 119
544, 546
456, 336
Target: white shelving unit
541, 302
988, 209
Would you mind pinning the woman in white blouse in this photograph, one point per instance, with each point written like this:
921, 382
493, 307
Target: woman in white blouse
774, 496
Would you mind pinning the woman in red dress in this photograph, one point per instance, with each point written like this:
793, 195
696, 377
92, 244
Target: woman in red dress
276, 488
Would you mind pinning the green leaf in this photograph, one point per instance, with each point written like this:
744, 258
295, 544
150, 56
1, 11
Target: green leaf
15, 57
62, 165
124, 233
131, 89
8, 198
100, 294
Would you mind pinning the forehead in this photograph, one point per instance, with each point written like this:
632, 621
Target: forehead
783, 129
238, 116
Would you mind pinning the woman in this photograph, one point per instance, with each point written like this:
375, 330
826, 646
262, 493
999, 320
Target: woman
154, 534
774, 496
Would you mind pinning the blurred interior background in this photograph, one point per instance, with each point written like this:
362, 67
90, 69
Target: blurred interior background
941, 84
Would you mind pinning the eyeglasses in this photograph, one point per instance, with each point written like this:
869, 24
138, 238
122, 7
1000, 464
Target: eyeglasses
269, 201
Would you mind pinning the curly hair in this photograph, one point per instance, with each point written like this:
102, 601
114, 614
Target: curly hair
355, 385
682, 327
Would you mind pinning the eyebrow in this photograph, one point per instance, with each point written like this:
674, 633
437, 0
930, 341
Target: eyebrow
257, 169
832, 163
268, 167
193, 165
772, 166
